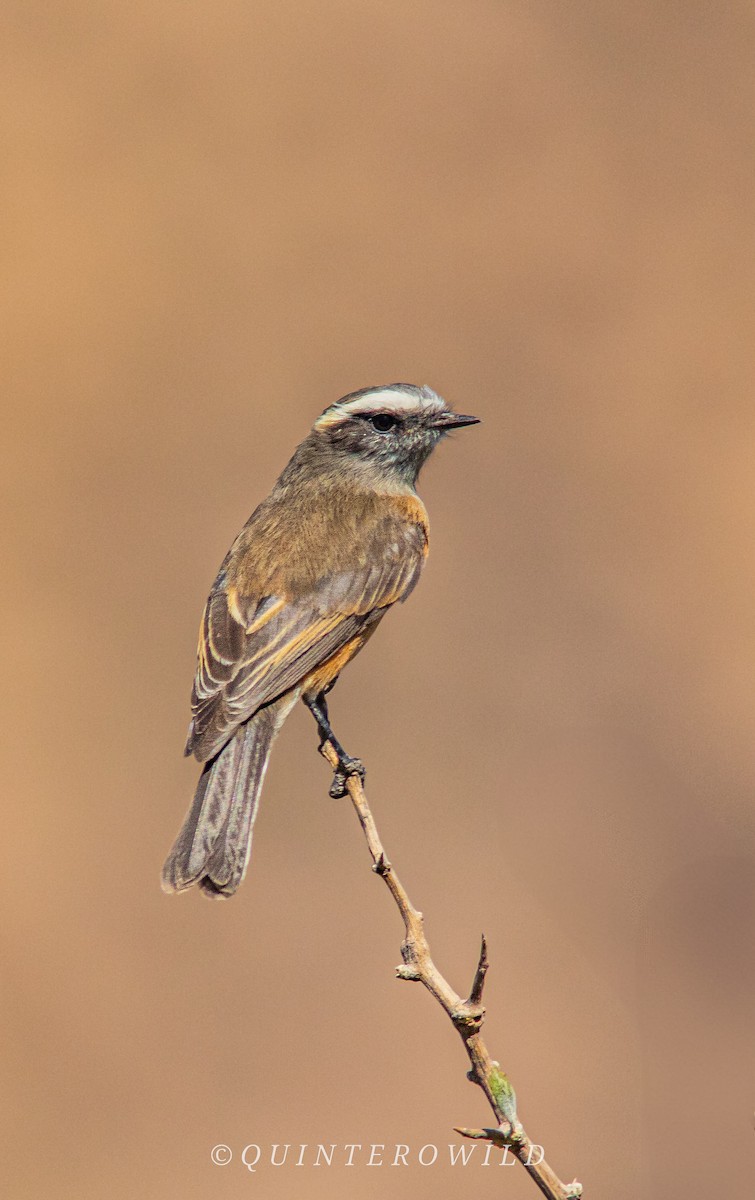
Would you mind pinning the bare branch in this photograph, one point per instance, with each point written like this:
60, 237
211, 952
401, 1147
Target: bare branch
467, 1016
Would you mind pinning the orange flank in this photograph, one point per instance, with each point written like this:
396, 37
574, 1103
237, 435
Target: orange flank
411, 507
319, 679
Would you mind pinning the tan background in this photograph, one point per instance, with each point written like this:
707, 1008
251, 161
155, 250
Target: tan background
219, 218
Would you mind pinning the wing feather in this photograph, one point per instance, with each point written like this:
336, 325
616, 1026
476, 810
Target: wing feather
253, 648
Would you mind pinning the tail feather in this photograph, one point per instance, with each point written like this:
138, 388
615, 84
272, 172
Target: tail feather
215, 841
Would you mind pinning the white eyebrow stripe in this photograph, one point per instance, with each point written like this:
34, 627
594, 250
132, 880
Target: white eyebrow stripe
383, 400
391, 402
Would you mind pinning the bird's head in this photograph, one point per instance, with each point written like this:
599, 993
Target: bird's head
389, 430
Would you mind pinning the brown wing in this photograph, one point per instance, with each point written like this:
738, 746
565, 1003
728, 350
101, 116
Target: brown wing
252, 649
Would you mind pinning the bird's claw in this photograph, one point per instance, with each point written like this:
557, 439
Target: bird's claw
347, 767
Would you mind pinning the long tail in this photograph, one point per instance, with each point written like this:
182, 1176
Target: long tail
215, 841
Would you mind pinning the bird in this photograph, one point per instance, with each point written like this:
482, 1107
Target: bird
341, 538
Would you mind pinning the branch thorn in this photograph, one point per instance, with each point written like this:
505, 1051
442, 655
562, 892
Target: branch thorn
475, 995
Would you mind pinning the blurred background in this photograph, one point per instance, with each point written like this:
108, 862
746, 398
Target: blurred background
218, 219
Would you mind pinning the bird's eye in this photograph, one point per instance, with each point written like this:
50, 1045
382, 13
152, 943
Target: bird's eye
383, 422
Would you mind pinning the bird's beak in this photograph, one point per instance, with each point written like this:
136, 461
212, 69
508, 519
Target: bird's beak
452, 420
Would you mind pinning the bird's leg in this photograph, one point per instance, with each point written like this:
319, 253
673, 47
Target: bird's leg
347, 765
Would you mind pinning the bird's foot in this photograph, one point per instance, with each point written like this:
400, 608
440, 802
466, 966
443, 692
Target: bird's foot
347, 767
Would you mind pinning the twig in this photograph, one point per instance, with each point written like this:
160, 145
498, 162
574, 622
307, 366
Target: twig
466, 1015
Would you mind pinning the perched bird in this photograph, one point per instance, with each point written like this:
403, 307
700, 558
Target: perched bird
341, 537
